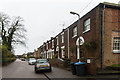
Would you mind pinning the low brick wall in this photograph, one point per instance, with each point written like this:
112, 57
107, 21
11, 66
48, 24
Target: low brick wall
112, 68
91, 69
56, 63
60, 64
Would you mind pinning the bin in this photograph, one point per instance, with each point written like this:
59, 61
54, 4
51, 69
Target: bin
73, 68
80, 68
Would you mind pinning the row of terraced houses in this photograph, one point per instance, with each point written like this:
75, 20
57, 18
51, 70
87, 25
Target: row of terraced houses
100, 31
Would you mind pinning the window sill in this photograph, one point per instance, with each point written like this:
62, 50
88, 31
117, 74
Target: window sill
116, 51
86, 31
74, 36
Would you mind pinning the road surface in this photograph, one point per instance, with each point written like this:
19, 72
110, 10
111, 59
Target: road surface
21, 70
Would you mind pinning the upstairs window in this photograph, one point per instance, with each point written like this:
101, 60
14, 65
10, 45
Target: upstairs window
47, 45
43, 47
62, 35
116, 44
75, 31
87, 25
52, 43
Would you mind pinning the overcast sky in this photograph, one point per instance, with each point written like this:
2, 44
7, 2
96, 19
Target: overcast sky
45, 18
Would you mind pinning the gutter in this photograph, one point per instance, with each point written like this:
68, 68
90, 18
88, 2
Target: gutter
102, 36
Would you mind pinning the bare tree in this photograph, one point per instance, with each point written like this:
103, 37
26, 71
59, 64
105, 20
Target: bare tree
4, 21
12, 30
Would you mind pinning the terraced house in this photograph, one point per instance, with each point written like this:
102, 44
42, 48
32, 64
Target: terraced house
50, 48
100, 31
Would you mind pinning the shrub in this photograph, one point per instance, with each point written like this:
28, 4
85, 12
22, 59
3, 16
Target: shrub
7, 56
90, 46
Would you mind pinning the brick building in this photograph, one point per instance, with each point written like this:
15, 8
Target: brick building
100, 30
50, 47
44, 52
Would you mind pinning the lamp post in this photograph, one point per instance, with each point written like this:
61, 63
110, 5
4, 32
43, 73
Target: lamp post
74, 13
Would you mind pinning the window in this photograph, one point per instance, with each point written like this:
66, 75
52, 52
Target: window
43, 47
75, 31
47, 45
116, 45
63, 51
87, 25
62, 37
57, 41
52, 43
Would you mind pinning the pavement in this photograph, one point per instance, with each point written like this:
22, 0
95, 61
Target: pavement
109, 72
0, 72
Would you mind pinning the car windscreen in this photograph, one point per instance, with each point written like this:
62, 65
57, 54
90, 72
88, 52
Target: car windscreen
22, 58
32, 59
41, 61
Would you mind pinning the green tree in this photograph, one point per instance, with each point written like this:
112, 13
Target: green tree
12, 31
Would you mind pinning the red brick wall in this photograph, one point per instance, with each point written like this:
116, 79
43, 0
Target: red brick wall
93, 35
111, 28
72, 41
66, 43
59, 39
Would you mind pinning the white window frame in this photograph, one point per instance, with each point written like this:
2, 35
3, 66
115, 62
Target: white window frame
52, 43
87, 25
63, 51
43, 47
74, 31
116, 44
47, 45
62, 37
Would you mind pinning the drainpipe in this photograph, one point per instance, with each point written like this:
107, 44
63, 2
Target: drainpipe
102, 44
68, 44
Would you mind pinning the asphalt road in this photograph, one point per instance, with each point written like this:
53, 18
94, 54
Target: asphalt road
20, 69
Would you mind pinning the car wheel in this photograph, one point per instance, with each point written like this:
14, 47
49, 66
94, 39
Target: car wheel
50, 70
36, 71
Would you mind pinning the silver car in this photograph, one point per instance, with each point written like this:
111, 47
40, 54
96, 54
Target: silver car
31, 61
42, 64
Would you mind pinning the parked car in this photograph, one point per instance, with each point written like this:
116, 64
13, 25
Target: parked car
42, 64
22, 59
31, 61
